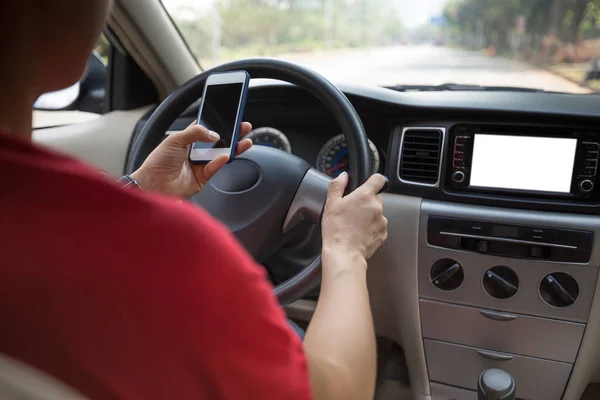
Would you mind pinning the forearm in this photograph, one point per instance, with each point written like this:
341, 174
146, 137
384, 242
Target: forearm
340, 341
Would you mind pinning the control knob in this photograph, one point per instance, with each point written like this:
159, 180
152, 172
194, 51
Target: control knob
501, 282
559, 289
446, 274
496, 384
458, 176
586, 185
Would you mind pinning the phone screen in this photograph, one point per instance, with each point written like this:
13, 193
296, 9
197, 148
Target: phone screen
225, 99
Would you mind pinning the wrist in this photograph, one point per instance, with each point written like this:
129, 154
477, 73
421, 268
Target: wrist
339, 258
143, 180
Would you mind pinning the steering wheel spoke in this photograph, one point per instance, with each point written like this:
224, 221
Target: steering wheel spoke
308, 201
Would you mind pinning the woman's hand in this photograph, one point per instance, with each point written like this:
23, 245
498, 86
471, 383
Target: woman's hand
167, 169
354, 225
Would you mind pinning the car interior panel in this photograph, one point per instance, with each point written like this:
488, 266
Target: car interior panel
475, 275
536, 332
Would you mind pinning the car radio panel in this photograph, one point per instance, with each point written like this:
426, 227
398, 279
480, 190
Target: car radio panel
558, 164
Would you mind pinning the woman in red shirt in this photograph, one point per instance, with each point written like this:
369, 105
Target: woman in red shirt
126, 294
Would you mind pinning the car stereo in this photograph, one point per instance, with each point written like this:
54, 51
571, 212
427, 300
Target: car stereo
553, 164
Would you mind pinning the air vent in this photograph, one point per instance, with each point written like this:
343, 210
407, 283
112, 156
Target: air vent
420, 155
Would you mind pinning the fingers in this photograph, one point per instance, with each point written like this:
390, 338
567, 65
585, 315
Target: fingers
198, 133
193, 133
373, 185
214, 166
242, 146
245, 128
337, 186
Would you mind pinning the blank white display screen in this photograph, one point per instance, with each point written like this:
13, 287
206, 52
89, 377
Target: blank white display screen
523, 162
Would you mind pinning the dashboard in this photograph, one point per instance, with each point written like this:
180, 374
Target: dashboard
493, 251
289, 118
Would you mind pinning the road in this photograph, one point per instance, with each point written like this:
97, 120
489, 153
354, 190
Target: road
429, 65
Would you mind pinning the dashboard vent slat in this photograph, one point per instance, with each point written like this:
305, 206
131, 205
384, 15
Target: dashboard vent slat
420, 156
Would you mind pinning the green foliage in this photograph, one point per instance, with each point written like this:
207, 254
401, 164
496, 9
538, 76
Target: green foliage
496, 21
270, 27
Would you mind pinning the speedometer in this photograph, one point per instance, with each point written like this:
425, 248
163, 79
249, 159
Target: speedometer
270, 137
333, 158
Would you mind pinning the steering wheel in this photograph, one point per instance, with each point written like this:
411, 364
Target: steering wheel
263, 193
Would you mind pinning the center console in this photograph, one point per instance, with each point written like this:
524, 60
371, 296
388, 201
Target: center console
507, 266
501, 288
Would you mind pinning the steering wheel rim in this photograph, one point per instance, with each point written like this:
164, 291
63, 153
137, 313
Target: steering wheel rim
328, 94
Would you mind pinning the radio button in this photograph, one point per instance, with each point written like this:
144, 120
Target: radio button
461, 140
458, 153
535, 234
536, 252
458, 163
589, 167
591, 152
586, 185
482, 246
591, 147
458, 176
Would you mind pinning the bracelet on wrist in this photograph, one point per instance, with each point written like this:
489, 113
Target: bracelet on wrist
128, 182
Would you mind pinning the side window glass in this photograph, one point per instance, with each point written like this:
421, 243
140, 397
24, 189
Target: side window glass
80, 102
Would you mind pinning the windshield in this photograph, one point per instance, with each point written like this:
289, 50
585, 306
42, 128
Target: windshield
411, 44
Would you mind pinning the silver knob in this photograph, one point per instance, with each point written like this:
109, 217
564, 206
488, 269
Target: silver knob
586, 185
458, 176
495, 384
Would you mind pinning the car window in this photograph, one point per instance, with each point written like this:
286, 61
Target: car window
553, 45
80, 102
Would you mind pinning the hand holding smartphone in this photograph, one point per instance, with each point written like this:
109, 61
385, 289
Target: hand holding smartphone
226, 94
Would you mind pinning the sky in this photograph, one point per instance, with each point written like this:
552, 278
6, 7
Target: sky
412, 12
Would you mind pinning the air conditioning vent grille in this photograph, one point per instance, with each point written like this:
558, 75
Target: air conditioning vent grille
420, 156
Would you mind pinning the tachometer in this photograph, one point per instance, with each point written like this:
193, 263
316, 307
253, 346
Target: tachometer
333, 158
270, 137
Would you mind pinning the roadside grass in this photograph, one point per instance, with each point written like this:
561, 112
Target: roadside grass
575, 72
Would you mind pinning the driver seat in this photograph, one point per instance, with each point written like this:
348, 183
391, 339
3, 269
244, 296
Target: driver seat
19, 381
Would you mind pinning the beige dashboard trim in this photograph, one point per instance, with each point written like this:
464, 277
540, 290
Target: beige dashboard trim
47, 119
393, 287
102, 142
587, 364
19, 381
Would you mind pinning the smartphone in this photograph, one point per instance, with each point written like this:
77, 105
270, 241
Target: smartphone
225, 95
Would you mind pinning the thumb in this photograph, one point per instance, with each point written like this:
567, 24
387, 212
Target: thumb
193, 133
337, 186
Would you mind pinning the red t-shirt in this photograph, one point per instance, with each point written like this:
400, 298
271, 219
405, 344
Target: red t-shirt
126, 295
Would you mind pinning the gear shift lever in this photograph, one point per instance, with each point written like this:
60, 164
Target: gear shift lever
495, 384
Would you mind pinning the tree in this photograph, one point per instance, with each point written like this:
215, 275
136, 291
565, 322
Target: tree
269, 27
563, 19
